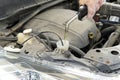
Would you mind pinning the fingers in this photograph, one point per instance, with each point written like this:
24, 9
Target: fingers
82, 2
99, 3
93, 6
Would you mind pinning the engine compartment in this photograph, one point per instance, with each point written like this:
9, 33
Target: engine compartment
89, 45
55, 21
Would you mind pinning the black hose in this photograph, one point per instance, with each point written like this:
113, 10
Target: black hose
74, 48
107, 31
42, 41
25, 20
79, 51
113, 38
48, 40
52, 33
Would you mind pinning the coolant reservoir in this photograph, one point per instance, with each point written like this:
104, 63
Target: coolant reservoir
24, 37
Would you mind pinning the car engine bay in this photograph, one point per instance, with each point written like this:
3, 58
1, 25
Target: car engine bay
49, 37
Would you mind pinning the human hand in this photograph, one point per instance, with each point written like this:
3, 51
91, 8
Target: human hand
93, 6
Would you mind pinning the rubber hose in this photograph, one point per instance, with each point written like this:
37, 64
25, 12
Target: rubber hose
74, 48
107, 31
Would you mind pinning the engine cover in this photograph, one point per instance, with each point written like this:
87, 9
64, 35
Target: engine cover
55, 19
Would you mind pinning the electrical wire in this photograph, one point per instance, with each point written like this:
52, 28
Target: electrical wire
97, 44
27, 39
37, 37
80, 52
71, 47
53, 33
48, 41
40, 40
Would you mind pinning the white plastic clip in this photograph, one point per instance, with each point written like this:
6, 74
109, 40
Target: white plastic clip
64, 46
